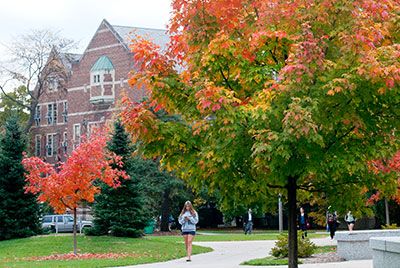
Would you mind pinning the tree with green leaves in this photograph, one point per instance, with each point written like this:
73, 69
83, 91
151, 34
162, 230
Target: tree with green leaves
10, 108
119, 211
293, 98
19, 212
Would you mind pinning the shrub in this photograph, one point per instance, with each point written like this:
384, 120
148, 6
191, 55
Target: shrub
305, 246
392, 226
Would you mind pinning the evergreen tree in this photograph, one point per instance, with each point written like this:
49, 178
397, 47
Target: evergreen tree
165, 193
119, 211
19, 212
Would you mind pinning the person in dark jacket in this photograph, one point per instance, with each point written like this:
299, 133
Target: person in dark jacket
302, 222
248, 222
331, 221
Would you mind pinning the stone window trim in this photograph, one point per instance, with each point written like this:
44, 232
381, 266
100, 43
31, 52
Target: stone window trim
51, 144
76, 135
38, 115
64, 143
52, 114
38, 145
96, 76
99, 124
65, 112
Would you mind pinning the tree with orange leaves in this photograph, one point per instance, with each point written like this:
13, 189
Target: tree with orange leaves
387, 167
291, 97
73, 181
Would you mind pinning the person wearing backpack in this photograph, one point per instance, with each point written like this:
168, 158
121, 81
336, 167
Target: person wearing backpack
350, 220
331, 221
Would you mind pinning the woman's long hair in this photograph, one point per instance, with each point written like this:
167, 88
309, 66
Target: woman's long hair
192, 211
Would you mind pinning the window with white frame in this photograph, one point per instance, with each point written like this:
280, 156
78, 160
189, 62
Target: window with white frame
51, 114
92, 125
77, 135
64, 143
96, 78
38, 115
52, 83
38, 145
65, 112
51, 146
54, 113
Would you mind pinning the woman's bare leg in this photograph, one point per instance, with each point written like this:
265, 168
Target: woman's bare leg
186, 238
189, 248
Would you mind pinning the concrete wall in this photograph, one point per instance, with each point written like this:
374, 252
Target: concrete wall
354, 245
385, 252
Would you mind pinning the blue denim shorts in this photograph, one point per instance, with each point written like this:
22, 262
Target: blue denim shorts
189, 233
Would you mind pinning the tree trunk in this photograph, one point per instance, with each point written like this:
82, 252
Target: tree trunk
32, 113
387, 212
165, 211
75, 251
292, 222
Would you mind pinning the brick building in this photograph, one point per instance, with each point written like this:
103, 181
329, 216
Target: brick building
91, 92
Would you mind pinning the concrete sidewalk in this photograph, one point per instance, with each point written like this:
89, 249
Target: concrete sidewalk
232, 254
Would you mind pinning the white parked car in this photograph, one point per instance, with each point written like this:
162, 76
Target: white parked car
64, 223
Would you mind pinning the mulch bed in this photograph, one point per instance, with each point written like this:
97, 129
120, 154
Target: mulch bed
322, 258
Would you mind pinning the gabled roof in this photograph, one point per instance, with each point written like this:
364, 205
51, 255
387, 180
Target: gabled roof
123, 34
159, 37
102, 63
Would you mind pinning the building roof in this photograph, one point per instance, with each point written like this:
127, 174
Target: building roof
69, 58
158, 36
124, 33
102, 63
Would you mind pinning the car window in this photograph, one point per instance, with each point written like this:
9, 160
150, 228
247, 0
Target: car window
69, 219
47, 219
59, 219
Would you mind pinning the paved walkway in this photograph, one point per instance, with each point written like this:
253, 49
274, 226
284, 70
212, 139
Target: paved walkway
232, 254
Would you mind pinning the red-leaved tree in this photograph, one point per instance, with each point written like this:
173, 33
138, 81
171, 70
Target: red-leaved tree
73, 182
390, 167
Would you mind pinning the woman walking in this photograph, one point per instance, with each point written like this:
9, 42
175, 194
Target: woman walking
350, 220
302, 222
188, 219
331, 220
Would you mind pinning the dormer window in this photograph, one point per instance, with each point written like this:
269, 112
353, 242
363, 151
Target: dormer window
102, 82
96, 79
102, 66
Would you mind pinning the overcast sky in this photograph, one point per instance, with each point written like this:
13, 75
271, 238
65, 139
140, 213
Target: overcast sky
78, 19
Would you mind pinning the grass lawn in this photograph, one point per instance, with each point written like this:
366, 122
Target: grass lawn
17, 252
24, 252
325, 249
270, 260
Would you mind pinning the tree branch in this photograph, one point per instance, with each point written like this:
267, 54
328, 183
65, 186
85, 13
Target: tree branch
322, 189
14, 100
225, 79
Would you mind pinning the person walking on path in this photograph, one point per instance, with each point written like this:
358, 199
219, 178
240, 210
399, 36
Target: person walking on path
248, 222
302, 222
350, 220
188, 219
331, 221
